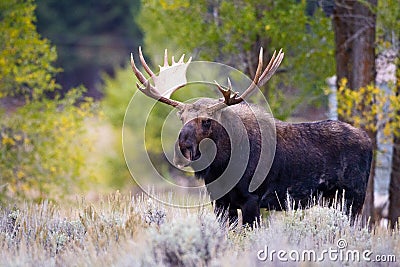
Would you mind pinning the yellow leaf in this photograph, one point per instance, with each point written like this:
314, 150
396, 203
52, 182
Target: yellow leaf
387, 130
20, 174
8, 141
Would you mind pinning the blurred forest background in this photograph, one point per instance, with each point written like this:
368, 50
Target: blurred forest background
65, 81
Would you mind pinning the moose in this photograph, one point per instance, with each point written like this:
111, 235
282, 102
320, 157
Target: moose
312, 159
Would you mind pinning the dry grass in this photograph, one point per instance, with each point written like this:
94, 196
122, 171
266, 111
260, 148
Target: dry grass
137, 231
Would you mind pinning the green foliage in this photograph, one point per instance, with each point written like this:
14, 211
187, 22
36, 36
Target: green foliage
117, 93
26, 59
388, 24
231, 32
43, 150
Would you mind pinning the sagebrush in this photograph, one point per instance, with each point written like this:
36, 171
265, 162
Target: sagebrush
122, 230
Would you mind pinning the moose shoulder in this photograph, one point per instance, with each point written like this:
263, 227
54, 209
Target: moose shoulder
311, 159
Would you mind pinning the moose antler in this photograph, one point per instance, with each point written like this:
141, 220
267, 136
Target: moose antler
232, 98
152, 91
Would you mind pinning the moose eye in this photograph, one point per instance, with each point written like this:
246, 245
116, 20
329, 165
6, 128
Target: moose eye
206, 123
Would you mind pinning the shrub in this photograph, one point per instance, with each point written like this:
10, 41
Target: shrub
43, 149
363, 107
196, 240
26, 59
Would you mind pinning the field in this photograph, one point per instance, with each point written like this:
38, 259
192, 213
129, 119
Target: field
124, 230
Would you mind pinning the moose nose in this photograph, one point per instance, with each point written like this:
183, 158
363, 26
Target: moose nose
188, 150
180, 159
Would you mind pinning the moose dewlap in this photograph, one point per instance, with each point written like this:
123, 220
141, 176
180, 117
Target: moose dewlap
227, 140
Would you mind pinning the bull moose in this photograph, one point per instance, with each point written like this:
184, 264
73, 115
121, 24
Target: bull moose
313, 159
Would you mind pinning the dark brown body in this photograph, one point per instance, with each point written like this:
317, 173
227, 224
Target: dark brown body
311, 159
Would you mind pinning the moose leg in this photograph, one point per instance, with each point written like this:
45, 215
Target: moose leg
233, 217
251, 211
223, 208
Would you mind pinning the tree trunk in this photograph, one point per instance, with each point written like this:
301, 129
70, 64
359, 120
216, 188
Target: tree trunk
394, 187
354, 27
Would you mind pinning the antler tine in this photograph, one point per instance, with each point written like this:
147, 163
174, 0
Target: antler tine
180, 61
274, 66
182, 57
268, 67
232, 98
147, 90
259, 66
138, 74
226, 93
146, 87
267, 73
229, 84
151, 92
145, 66
166, 58
256, 76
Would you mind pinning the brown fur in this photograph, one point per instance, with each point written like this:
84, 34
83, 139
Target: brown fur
311, 159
